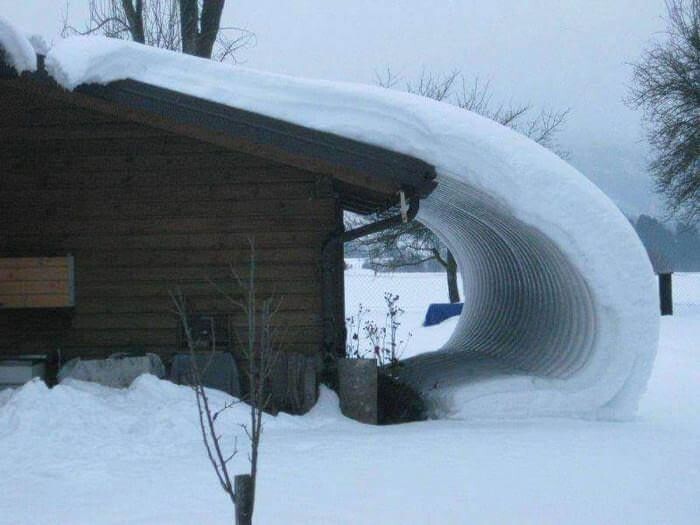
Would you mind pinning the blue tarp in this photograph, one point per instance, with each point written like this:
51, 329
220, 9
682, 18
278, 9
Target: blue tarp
438, 312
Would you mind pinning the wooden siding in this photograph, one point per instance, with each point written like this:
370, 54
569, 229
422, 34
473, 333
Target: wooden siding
144, 211
36, 282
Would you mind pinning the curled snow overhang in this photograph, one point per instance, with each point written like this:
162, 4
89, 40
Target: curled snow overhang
560, 312
16, 51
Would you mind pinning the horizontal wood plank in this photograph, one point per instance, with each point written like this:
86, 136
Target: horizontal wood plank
38, 300
307, 302
112, 177
35, 273
33, 262
36, 282
17, 288
197, 289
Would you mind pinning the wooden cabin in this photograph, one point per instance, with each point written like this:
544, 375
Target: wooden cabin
111, 197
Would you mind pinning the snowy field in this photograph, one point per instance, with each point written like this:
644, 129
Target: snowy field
83, 454
415, 290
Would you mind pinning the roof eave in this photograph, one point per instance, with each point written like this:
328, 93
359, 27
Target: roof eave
345, 158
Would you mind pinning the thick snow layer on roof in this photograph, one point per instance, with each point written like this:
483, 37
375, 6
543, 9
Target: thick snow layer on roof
19, 51
561, 312
39, 43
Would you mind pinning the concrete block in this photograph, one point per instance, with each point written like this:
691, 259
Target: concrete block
357, 388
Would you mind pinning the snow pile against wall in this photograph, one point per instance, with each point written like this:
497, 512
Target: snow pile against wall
19, 52
561, 310
150, 412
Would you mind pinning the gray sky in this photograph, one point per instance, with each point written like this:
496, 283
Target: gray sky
550, 53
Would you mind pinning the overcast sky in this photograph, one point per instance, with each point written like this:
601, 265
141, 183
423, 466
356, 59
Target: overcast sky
550, 53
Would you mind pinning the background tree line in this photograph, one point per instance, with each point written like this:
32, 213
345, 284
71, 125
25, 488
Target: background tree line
666, 87
674, 248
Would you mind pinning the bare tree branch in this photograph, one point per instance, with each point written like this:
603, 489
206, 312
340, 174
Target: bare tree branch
134, 17
189, 21
209, 27
207, 418
259, 350
178, 25
667, 88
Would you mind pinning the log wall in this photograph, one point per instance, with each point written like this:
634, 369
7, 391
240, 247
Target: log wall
143, 212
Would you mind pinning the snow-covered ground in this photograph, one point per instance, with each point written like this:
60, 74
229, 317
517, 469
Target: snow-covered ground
415, 290
83, 454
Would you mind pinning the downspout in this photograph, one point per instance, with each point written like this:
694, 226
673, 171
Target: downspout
334, 333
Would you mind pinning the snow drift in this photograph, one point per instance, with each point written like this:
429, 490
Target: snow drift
561, 310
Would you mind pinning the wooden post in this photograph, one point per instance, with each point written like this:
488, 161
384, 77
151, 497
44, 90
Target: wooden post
243, 486
666, 293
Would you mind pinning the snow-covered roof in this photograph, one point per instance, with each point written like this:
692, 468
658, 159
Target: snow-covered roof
19, 52
558, 285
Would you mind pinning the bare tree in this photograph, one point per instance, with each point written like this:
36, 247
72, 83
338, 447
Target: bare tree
477, 96
667, 87
189, 26
259, 347
413, 244
542, 127
207, 415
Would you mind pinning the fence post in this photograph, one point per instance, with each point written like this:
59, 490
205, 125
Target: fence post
666, 293
243, 486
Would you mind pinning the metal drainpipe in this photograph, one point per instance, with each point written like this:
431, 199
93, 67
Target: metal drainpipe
333, 334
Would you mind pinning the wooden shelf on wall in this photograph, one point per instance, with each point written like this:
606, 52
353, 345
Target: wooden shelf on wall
37, 282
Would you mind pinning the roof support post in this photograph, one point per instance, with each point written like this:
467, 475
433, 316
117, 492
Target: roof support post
333, 265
